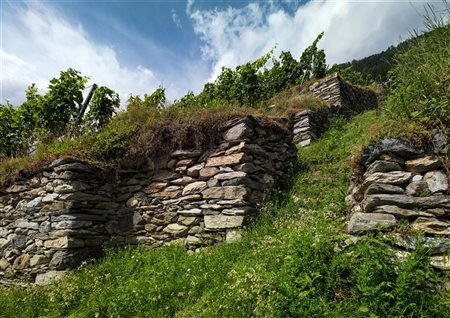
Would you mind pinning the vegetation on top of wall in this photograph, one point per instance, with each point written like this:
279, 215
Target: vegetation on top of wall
253, 82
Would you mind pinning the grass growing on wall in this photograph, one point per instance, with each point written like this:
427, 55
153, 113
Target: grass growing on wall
287, 265
142, 134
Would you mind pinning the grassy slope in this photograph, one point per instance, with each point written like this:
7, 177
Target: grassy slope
286, 265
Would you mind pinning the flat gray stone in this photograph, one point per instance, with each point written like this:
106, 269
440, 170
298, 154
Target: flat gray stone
218, 222
406, 201
25, 224
378, 188
230, 175
39, 260
383, 166
176, 229
186, 153
363, 222
399, 212
423, 164
431, 226
227, 193
397, 178
194, 171
48, 277
240, 131
418, 188
437, 181
70, 224
190, 212
193, 188
34, 204
75, 166
245, 210
49, 198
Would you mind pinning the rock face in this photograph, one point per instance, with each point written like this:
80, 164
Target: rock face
402, 185
68, 212
341, 99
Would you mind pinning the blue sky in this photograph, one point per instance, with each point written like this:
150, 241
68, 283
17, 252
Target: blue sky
135, 46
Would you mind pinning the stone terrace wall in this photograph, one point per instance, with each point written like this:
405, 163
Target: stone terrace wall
68, 212
341, 98
405, 191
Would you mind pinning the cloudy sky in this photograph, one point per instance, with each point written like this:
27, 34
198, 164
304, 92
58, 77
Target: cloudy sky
136, 45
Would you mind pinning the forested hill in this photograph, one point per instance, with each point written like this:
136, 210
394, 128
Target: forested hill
378, 65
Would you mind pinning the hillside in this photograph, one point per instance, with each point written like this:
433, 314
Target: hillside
377, 66
290, 264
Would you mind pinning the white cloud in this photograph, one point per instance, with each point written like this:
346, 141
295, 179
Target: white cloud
352, 29
176, 18
39, 42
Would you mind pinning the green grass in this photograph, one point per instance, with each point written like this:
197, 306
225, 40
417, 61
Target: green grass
285, 266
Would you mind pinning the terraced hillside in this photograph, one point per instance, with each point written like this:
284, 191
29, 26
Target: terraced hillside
293, 262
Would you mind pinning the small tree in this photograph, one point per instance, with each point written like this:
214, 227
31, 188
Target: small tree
157, 99
102, 107
308, 57
61, 104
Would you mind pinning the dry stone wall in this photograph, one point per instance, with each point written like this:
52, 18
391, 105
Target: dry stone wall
340, 97
404, 191
69, 211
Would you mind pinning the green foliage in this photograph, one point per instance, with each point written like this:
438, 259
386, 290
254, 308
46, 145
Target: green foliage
61, 104
42, 118
251, 83
350, 75
102, 107
157, 99
287, 265
311, 60
10, 134
187, 101
420, 81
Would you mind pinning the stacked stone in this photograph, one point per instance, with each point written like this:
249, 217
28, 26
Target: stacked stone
340, 98
52, 220
403, 186
202, 198
328, 90
69, 212
309, 125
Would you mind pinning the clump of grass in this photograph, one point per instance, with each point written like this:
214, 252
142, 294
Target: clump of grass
294, 100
